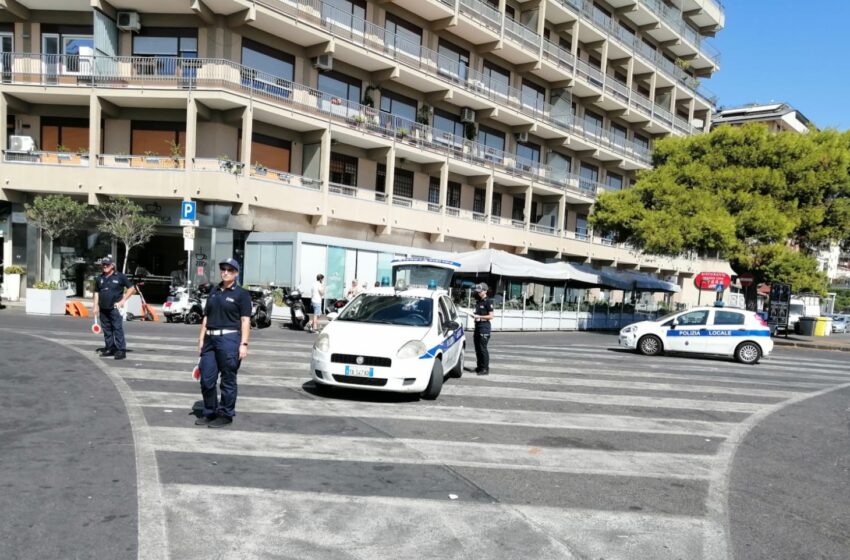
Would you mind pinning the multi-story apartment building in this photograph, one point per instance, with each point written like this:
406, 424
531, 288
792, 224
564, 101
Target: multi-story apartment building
435, 124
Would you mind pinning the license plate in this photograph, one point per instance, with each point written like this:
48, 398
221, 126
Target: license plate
360, 371
299, 313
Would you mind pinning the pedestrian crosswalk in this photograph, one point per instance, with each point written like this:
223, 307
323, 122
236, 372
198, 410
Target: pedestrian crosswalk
567, 450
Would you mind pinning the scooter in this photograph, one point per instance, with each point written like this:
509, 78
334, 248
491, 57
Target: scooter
297, 312
184, 305
262, 304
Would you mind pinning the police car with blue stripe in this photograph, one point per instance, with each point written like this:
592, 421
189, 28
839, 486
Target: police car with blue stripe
723, 331
404, 339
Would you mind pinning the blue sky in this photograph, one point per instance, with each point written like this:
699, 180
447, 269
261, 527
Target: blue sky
787, 50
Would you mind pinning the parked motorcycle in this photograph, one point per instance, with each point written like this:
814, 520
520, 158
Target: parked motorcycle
298, 314
262, 304
183, 305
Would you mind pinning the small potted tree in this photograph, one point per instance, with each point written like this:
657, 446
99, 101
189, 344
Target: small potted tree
54, 215
12, 282
174, 152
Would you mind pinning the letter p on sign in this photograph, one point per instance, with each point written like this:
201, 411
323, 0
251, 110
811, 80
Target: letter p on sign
188, 210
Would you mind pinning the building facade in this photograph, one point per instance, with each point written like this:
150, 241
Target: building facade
444, 125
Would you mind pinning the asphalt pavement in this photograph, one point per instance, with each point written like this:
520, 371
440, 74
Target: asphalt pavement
571, 448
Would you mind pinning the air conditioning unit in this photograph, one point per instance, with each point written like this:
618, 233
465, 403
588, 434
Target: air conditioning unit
129, 21
323, 62
521, 136
467, 115
21, 144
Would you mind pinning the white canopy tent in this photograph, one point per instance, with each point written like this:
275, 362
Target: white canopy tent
501, 263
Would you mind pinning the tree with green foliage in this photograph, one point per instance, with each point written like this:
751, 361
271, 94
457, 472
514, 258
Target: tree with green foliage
125, 221
56, 215
766, 201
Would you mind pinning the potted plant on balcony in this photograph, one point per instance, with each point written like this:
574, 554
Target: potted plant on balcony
402, 133
64, 154
260, 169
174, 152
12, 282
54, 215
151, 158
83, 154
359, 119
122, 158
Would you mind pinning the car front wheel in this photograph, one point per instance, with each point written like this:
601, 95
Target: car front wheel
457, 371
436, 384
650, 345
748, 353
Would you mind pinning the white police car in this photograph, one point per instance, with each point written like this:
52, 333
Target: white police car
703, 330
391, 340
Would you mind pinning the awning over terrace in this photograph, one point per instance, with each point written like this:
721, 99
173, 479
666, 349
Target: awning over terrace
501, 263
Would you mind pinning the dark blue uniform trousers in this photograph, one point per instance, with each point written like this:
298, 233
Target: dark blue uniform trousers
220, 354
481, 338
113, 330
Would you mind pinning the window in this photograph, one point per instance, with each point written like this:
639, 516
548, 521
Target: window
566, 43
403, 183
619, 134
350, 13
75, 44
494, 140
448, 123
518, 209
528, 151
402, 35
478, 200
642, 141
453, 195
497, 79
71, 134
728, 318
452, 61
533, 96
165, 46
581, 226
398, 105
340, 85
343, 170
693, 318
150, 137
268, 151
497, 204
434, 191
269, 63
588, 177
613, 181
593, 122
381, 178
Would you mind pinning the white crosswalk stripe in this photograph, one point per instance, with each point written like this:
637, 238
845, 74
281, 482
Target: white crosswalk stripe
600, 440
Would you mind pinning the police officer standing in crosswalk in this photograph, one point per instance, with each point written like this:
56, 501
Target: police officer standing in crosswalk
223, 344
112, 290
483, 314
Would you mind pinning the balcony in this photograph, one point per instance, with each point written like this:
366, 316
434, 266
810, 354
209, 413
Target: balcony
674, 19
632, 44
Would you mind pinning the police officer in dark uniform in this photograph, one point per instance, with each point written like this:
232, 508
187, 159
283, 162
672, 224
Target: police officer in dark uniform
112, 290
223, 344
483, 314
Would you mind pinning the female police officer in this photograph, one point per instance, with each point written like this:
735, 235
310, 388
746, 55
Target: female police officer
223, 344
483, 314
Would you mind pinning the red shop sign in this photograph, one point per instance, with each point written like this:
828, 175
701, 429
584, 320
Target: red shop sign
708, 280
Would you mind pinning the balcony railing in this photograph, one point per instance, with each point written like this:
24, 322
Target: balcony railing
616, 32
263, 173
46, 158
400, 49
674, 19
143, 161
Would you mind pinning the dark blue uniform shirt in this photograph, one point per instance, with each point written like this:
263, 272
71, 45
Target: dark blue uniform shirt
226, 307
483, 307
110, 289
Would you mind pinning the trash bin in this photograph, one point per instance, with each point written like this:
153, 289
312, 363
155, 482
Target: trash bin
807, 325
823, 326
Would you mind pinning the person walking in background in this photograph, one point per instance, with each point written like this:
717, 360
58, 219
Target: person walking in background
223, 344
353, 291
483, 314
112, 290
317, 297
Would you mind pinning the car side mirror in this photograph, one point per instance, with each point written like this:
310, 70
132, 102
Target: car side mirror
452, 326
675, 323
333, 315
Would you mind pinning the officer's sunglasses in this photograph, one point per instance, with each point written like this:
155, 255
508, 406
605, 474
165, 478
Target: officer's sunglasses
228, 269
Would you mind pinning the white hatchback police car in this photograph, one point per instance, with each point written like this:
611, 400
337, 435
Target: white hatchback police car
702, 330
388, 339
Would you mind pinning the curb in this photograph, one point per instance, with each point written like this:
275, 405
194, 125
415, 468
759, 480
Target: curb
811, 346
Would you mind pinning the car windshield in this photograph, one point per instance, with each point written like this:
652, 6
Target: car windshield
390, 310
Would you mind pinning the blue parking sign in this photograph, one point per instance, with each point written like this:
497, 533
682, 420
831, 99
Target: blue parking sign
188, 210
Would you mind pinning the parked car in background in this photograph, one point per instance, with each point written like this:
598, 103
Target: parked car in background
840, 323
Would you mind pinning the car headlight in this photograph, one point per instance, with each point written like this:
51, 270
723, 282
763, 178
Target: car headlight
411, 349
323, 343
628, 329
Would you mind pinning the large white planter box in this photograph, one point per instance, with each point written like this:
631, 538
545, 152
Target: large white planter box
45, 302
11, 287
